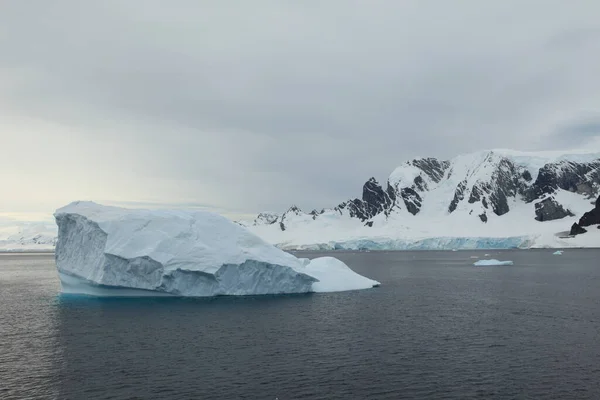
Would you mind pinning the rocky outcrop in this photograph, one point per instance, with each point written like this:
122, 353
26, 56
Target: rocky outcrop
493, 190
374, 201
549, 209
412, 200
265, 218
432, 168
459, 195
293, 210
582, 178
427, 172
576, 229
591, 217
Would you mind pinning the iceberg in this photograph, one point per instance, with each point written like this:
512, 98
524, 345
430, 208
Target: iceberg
111, 251
481, 263
558, 253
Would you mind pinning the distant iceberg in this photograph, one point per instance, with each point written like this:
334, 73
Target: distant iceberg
482, 263
109, 251
558, 253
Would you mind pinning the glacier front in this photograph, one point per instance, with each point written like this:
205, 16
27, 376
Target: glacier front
110, 251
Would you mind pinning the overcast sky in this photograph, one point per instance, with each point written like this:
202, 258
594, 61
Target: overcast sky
244, 106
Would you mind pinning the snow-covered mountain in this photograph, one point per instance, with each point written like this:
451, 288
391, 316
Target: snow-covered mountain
28, 237
497, 198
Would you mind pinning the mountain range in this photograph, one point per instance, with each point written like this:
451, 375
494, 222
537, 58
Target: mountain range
29, 236
495, 198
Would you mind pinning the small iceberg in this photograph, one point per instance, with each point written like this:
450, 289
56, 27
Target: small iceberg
486, 263
558, 253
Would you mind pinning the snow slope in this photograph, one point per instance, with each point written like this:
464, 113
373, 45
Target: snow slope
114, 251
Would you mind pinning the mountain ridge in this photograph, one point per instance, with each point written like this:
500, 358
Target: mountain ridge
486, 186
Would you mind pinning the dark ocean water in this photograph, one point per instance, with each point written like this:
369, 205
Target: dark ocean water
438, 327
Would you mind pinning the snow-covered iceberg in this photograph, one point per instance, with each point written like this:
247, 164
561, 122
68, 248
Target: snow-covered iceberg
482, 263
110, 251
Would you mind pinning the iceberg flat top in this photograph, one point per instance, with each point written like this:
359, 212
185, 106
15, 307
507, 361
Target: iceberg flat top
110, 251
195, 240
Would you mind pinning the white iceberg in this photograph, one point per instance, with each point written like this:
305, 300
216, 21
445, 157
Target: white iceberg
558, 253
110, 251
482, 263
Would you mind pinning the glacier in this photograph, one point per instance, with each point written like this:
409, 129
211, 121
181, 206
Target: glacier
111, 251
434, 243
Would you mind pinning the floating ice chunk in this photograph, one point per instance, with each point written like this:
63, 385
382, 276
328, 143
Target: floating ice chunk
109, 251
481, 263
558, 253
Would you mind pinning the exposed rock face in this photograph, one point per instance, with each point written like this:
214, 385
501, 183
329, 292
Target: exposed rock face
266, 219
293, 210
434, 168
591, 217
583, 178
412, 200
494, 189
549, 209
430, 172
375, 200
577, 230
459, 195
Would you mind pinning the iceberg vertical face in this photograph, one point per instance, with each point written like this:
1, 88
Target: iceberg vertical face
113, 251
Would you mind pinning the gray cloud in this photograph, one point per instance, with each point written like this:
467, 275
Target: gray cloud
581, 132
258, 105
